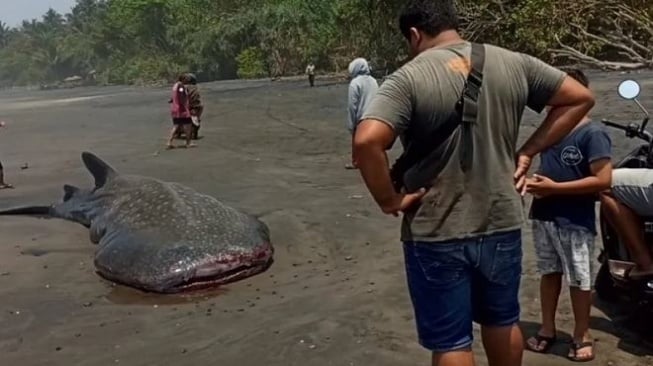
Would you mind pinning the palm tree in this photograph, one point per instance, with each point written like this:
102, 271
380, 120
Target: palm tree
5, 32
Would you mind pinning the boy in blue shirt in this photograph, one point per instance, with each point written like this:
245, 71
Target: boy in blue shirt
565, 190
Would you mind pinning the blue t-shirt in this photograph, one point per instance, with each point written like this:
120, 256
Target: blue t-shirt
570, 160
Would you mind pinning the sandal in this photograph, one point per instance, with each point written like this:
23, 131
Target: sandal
550, 341
575, 347
6, 186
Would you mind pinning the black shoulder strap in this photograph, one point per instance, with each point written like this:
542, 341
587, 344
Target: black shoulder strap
432, 146
470, 104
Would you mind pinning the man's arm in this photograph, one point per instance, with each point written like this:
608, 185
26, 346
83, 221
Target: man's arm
372, 139
569, 102
386, 117
568, 105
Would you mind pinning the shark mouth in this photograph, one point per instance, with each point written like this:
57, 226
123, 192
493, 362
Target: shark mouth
223, 278
211, 274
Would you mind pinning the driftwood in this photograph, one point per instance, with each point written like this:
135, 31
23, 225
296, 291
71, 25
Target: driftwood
608, 34
626, 32
477, 18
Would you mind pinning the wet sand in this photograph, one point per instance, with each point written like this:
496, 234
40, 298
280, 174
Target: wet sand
336, 293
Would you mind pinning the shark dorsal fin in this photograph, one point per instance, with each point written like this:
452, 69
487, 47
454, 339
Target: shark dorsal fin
69, 191
100, 170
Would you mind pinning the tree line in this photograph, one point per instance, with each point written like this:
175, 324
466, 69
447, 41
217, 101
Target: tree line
144, 41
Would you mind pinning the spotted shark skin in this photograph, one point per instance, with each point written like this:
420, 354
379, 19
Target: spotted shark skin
161, 236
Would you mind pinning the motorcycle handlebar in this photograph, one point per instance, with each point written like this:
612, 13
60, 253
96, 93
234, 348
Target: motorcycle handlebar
632, 130
614, 125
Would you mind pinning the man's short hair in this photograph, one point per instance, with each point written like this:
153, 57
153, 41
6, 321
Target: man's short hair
579, 76
429, 16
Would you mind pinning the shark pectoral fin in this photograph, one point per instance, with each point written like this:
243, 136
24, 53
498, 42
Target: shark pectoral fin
100, 170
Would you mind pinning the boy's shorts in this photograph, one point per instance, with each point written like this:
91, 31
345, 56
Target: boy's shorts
455, 283
565, 249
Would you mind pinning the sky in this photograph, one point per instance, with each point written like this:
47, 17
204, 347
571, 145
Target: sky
12, 12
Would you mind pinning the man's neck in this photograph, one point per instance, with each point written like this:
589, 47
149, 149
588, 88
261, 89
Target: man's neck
443, 39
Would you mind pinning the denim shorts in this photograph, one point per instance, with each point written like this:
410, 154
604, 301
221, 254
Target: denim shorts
455, 283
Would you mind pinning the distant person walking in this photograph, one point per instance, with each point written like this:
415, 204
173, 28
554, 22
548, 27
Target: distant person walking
180, 111
3, 184
362, 89
310, 71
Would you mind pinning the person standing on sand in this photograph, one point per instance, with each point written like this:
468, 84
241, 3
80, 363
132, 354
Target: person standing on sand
362, 88
180, 111
565, 189
195, 105
3, 184
461, 231
310, 71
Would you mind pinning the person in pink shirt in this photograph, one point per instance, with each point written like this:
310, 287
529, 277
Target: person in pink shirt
180, 111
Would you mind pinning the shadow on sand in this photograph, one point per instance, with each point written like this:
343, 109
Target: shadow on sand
561, 346
633, 327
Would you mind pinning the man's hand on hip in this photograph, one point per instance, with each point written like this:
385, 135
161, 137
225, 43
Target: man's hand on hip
370, 141
523, 164
403, 202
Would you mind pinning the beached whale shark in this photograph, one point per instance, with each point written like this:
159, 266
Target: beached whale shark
161, 236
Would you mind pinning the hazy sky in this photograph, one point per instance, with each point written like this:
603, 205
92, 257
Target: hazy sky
14, 11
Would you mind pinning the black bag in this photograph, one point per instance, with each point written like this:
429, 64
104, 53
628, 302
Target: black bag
422, 148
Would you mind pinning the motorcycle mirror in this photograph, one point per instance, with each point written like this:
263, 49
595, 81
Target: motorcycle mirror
629, 89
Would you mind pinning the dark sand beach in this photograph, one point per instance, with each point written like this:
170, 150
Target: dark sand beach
336, 293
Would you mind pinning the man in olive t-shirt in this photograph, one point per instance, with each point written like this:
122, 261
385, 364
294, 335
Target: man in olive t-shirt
462, 234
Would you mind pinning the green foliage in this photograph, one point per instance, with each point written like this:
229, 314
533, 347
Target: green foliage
141, 41
251, 63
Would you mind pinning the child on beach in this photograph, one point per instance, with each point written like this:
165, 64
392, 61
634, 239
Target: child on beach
565, 190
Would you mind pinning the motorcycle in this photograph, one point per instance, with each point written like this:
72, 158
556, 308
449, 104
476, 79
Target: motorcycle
612, 283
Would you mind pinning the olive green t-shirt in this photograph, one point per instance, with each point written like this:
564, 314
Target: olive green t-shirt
422, 95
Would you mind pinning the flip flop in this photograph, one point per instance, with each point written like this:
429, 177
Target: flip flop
6, 186
578, 346
550, 341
